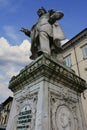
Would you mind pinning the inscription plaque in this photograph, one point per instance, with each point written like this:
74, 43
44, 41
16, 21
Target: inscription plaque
24, 118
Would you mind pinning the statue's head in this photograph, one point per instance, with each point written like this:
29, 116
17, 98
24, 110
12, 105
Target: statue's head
41, 11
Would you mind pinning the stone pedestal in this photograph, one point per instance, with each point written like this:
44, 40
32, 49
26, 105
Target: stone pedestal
47, 96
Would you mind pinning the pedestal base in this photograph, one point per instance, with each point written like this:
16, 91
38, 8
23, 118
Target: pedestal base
47, 95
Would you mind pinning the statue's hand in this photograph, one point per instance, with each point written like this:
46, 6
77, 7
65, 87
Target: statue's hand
26, 31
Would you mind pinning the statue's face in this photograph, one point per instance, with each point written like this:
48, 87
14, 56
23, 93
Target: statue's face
40, 12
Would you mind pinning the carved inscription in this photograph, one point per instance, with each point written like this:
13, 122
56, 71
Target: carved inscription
24, 118
27, 113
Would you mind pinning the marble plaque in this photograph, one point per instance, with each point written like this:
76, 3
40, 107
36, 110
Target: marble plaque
24, 118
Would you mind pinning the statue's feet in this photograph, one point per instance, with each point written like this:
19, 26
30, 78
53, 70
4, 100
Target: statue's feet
40, 53
33, 57
36, 55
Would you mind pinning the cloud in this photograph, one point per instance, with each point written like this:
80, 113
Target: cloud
14, 54
12, 60
4, 92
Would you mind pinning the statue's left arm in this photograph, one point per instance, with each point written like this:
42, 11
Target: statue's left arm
55, 16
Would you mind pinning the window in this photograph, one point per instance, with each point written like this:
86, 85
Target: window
84, 51
68, 60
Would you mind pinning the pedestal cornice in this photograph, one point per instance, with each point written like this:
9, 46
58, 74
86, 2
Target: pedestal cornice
47, 68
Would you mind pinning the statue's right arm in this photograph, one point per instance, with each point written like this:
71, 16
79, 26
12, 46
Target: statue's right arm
26, 31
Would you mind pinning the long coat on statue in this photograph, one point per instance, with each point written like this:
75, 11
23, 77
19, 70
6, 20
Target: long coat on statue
41, 33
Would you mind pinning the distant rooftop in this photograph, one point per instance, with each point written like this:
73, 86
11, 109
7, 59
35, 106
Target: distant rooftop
7, 100
75, 39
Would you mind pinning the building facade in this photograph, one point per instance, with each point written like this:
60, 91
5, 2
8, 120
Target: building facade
4, 112
75, 56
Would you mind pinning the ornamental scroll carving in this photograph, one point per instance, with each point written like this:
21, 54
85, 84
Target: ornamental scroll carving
62, 118
63, 113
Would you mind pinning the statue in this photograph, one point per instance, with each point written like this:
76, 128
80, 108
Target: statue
46, 34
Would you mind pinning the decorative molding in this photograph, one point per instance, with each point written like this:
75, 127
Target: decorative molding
58, 107
64, 94
47, 68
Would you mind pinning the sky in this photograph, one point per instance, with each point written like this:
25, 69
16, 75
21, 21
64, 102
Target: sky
15, 46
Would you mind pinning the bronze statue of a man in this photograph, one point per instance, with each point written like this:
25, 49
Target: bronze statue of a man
46, 34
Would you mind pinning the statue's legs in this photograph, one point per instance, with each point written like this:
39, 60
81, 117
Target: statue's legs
44, 43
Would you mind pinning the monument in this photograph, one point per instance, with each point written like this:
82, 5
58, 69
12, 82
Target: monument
47, 94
